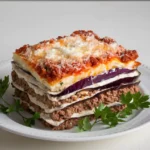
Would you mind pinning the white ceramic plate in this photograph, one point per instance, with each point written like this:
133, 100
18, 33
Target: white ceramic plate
13, 123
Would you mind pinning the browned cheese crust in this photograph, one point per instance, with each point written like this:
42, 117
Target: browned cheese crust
53, 71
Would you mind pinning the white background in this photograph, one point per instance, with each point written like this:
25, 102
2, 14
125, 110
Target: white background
31, 22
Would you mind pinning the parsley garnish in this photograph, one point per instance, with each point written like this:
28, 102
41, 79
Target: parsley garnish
8, 108
61, 83
110, 118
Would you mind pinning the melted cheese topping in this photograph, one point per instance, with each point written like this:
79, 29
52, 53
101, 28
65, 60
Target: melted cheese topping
69, 59
75, 46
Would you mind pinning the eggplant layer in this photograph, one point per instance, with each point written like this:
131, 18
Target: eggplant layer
85, 83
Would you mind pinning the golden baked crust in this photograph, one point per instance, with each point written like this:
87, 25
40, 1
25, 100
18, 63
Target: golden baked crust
71, 58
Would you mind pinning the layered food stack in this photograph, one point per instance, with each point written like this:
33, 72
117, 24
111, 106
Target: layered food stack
65, 78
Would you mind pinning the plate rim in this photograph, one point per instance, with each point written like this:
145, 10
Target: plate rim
81, 139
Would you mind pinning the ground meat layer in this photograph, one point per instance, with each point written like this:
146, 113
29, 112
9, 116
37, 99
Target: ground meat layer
106, 98
69, 123
56, 104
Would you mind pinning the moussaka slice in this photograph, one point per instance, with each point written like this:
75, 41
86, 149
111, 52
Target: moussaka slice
65, 78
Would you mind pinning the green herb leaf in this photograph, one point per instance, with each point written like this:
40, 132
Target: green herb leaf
3, 109
84, 124
31, 121
36, 115
61, 83
4, 84
10, 109
126, 99
110, 118
98, 110
16, 107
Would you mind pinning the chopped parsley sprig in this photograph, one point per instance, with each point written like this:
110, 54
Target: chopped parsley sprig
111, 118
8, 108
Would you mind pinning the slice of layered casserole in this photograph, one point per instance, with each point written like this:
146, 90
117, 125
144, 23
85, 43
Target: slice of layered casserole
65, 78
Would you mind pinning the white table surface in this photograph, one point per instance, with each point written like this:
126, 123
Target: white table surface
31, 22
